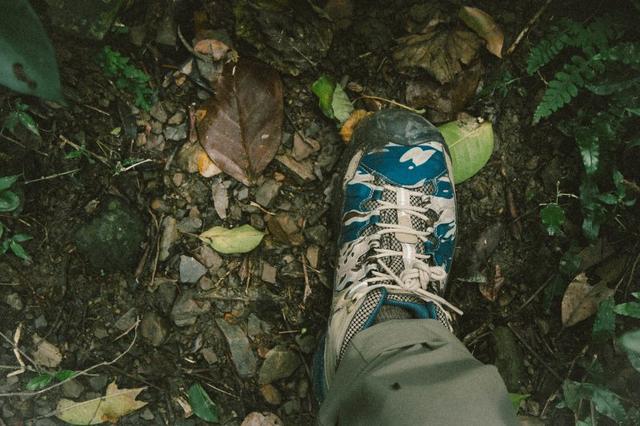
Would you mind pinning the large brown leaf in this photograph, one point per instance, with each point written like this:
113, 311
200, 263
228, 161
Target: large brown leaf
242, 128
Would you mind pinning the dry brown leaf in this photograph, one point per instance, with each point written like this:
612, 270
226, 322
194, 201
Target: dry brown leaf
211, 47
581, 299
491, 289
261, 419
46, 354
484, 25
349, 126
115, 404
441, 52
242, 128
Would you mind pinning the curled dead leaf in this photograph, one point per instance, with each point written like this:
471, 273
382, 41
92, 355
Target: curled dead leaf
346, 131
581, 299
491, 289
212, 48
484, 25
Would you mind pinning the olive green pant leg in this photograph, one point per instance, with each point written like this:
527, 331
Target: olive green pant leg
414, 372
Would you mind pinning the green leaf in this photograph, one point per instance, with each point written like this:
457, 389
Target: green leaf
19, 251
606, 402
9, 201
1, 229
470, 144
604, 325
324, 88
242, 239
517, 398
21, 238
629, 309
63, 375
4, 246
28, 122
39, 382
27, 60
589, 146
341, 105
552, 216
202, 404
7, 182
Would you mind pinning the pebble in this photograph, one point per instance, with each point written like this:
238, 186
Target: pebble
220, 199
242, 194
147, 415
241, 354
318, 234
190, 269
267, 192
291, 407
186, 309
280, 363
178, 179
40, 322
153, 329
169, 237
14, 300
284, 228
313, 256
262, 419
158, 112
190, 225
72, 389
205, 283
126, 321
303, 148
156, 127
210, 258
303, 169
165, 295
209, 355
307, 343
255, 326
268, 273
271, 394
176, 118
176, 133
100, 333
98, 383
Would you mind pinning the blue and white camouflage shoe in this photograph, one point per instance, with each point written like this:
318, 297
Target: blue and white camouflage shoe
397, 228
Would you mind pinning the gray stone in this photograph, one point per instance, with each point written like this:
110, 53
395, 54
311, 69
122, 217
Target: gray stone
169, 237
72, 389
255, 326
147, 414
40, 322
317, 234
280, 363
210, 258
241, 354
158, 112
153, 329
191, 270
209, 355
307, 343
176, 133
186, 308
111, 241
165, 296
14, 300
190, 225
126, 321
88, 19
267, 192
268, 273
176, 118
291, 407
98, 383
100, 333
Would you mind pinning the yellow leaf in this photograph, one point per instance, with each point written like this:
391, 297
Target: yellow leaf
242, 239
349, 126
110, 408
484, 25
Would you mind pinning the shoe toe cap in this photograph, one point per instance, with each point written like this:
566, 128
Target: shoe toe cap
396, 126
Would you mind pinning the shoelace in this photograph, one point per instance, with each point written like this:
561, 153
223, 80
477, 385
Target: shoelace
414, 279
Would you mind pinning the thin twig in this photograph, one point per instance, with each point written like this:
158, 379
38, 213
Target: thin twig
57, 175
83, 372
19, 350
534, 353
133, 166
527, 27
534, 295
307, 287
392, 102
81, 148
20, 144
16, 352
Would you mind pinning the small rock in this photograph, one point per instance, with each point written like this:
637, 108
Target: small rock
268, 273
210, 258
205, 283
209, 355
280, 363
165, 295
176, 118
191, 270
267, 192
317, 234
262, 419
313, 255
46, 354
169, 237
178, 179
147, 414
220, 199
40, 322
303, 148
291, 407
98, 383
158, 112
14, 300
284, 228
255, 326
190, 225
304, 169
271, 394
72, 389
307, 343
126, 321
153, 328
100, 333
242, 194
186, 308
241, 354
176, 133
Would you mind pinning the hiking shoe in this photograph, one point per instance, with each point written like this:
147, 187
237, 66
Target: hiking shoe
397, 227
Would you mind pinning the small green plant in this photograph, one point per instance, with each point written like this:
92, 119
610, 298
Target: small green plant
20, 115
44, 379
127, 77
9, 202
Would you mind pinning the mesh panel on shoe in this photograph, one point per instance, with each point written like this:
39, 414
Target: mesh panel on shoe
362, 315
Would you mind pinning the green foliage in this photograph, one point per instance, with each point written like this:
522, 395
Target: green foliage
629, 309
630, 342
9, 202
333, 101
553, 218
604, 326
43, 380
604, 400
22, 117
27, 60
127, 77
202, 404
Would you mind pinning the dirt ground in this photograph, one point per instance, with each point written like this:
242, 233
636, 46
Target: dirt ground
90, 315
